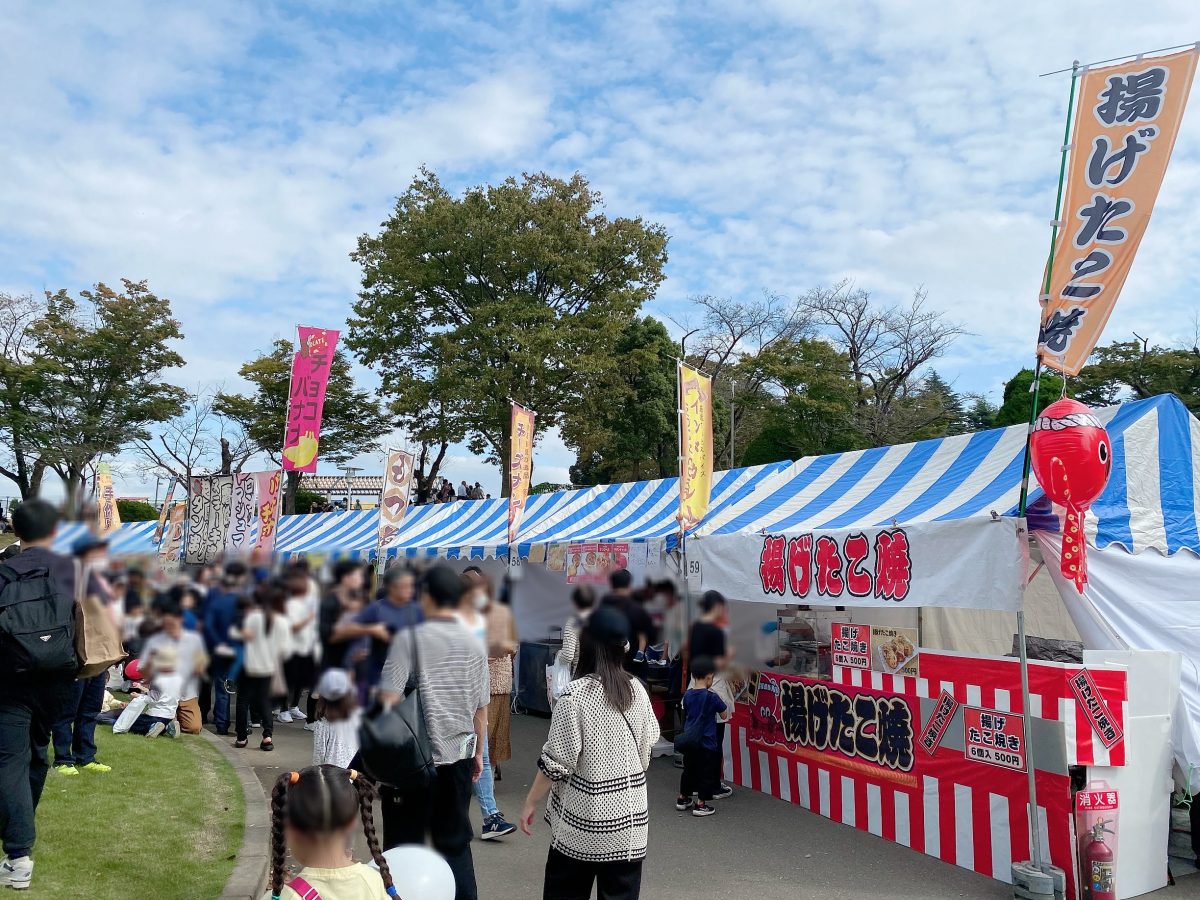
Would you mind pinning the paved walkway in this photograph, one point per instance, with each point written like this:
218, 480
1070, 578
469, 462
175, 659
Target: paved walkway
756, 846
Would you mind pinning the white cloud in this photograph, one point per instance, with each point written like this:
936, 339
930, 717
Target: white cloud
231, 154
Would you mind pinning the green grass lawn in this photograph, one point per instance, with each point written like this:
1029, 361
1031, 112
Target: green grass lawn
166, 823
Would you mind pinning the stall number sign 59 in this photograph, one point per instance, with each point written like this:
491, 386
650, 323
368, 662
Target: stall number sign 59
693, 573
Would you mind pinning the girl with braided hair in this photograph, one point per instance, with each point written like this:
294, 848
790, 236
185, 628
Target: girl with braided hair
313, 812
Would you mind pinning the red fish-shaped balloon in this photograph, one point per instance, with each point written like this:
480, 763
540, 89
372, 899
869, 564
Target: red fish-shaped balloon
1072, 459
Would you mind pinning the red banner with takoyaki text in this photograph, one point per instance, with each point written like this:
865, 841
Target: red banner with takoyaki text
850, 753
306, 398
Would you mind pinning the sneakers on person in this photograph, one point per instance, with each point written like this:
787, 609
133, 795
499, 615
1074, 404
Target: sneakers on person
723, 792
156, 729
683, 803
297, 714
97, 768
173, 729
285, 716
700, 810
494, 827
310, 726
16, 873
254, 725
69, 771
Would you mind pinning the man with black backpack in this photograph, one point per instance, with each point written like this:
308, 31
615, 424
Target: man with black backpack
38, 664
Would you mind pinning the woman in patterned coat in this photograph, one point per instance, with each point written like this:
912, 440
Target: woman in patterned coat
593, 766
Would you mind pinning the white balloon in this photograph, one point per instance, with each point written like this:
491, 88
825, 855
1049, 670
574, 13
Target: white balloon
419, 874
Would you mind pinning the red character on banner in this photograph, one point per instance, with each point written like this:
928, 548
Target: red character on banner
799, 564
893, 565
829, 567
770, 567
1072, 459
858, 581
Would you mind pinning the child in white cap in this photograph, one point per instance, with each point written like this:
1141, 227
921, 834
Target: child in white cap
335, 737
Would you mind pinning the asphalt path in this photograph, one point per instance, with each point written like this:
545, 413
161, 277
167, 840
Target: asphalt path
755, 846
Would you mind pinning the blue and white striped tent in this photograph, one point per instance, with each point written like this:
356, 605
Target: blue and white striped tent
477, 529
1152, 500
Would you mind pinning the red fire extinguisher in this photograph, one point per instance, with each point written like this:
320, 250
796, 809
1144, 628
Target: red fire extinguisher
1098, 859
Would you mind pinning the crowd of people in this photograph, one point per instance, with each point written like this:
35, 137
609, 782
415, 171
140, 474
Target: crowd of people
241, 648
444, 491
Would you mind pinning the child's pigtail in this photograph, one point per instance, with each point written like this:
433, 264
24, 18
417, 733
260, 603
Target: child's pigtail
366, 806
278, 839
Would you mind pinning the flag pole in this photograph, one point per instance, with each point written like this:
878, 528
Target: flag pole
1035, 836
687, 591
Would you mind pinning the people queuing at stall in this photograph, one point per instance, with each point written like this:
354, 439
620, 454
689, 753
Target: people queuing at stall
240, 649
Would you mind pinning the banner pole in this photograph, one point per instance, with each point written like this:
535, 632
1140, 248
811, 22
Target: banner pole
1035, 831
683, 568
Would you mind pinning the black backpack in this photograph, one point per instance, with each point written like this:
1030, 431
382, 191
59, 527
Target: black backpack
394, 743
37, 626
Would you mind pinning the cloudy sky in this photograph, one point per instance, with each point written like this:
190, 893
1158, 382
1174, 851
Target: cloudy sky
230, 153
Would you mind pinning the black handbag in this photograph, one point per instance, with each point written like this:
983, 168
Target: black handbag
394, 745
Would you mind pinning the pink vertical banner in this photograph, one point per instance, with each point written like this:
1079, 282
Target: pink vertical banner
267, 486
306, 398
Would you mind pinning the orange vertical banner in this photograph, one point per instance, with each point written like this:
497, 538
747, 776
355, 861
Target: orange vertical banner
266, 501
1125, 127
695, 445
520, 467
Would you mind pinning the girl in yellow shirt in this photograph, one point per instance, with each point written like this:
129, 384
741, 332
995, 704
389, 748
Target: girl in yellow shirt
313, 812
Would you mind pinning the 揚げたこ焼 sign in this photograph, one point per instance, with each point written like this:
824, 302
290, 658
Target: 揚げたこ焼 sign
1125, 127
306, 398
1108, 730
997, 738
851, 645
972, 563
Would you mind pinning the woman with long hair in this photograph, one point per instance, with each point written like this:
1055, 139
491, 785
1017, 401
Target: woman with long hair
583, 598
264, 634
593, 766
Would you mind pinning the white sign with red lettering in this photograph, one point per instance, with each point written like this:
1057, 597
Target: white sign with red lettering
969, 563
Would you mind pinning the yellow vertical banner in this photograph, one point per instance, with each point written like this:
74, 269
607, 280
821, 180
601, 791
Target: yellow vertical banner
520, 467
107, 515
695, 445
1125, 127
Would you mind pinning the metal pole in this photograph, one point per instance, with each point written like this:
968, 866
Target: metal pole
687, 593
1035, 831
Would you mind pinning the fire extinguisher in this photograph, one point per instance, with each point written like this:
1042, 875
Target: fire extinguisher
1098, 858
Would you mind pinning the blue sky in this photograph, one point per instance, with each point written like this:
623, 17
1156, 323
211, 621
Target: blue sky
231, 152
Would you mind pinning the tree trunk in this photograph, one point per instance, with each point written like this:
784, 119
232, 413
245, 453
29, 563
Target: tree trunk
289, 492
35, 479
226, 457
503, 453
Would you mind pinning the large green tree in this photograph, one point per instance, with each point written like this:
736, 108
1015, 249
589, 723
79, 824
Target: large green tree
514, 291
1136, 370
625, 426
811, 405
1018, 396
23, 431
100, 360
351, 422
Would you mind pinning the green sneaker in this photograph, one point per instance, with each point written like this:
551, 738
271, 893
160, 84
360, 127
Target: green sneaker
98, 768
70, 771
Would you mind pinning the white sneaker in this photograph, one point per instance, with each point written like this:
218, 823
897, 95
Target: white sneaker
16, 873
311, 726
297, 714
284, 716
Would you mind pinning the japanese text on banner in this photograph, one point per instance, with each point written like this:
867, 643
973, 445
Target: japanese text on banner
695, 445
1125, 128
520, 467
266, 485
108, 517
306, 398
162, 515
397, 484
